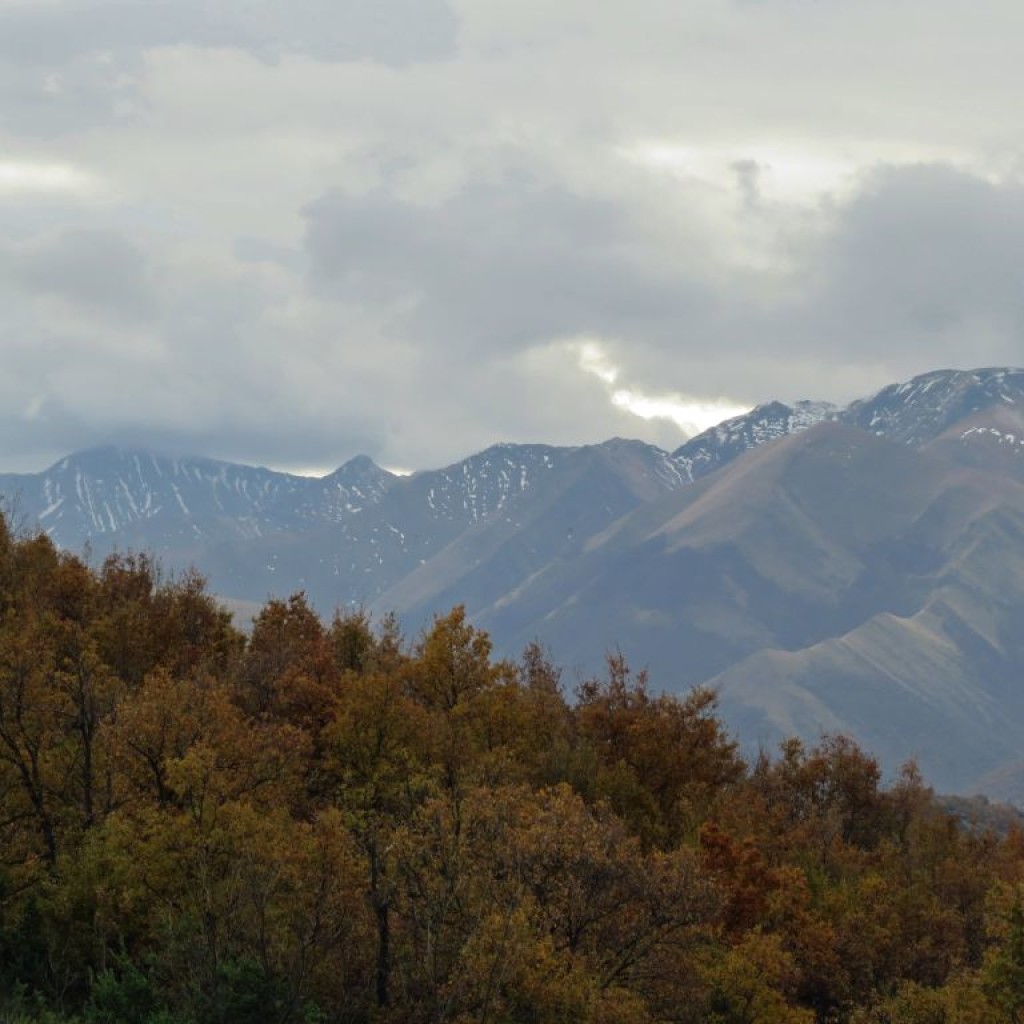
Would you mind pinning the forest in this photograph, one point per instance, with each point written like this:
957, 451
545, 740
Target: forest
326, 822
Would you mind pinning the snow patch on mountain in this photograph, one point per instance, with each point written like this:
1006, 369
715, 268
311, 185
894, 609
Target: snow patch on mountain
990, 433
111, 492
919, 410
483, 484
706, 452
364, 523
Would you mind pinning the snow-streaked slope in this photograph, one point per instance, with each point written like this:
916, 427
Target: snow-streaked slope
721, 444
502, 491
921, 409
538, 530
261, 530
834, 580
853, 568
115, 497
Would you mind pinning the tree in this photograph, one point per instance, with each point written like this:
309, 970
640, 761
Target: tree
1004, 966
661, 761
376, 768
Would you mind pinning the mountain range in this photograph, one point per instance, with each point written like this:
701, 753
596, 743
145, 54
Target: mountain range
856, 569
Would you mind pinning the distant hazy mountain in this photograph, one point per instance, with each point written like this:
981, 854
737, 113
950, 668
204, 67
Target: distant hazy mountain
481, 524
544, 527
858, 569
834, 581
117, 498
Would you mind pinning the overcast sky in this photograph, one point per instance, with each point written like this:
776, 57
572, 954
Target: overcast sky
289, 231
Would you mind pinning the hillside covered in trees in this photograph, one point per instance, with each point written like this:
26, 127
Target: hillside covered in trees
325, 823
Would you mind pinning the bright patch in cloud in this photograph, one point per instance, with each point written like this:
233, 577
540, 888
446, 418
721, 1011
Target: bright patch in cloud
794, 171
594, 361
789, 173
691, 414
319, 472
314, 472
19, 176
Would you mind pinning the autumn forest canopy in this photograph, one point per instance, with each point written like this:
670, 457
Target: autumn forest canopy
325, 822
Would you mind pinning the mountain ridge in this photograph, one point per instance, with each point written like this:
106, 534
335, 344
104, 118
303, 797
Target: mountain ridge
75, 514
851, 568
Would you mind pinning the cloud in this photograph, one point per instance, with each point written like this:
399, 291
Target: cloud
98, 270
926, 259
28, 177
690, 414
516, 312
289, 232
66, 65
502, 266
390, 31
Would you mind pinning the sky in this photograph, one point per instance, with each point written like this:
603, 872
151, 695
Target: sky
286, 232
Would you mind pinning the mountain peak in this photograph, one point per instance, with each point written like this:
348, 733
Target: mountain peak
361, 462
627, 444
720, 444
919, 410
360, 467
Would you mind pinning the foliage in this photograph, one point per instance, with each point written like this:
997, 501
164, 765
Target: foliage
320, 822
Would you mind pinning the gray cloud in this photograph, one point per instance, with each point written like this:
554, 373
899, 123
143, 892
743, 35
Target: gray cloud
70, 64
314, 228
917, 269
84, 92
503, 266
390, 31
421, 333
91, 268
927, 259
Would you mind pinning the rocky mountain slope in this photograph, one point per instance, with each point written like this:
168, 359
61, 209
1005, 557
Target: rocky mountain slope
856, 569
831, 581
495, 516
721, 444
113, 498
